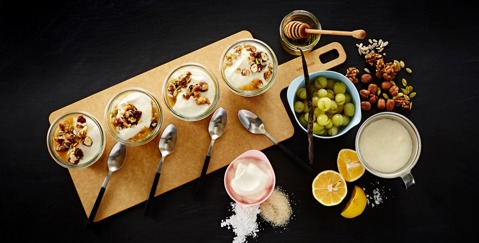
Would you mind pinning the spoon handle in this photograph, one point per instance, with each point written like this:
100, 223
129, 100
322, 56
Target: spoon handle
201, 180
95, 208
152, 193
296, 159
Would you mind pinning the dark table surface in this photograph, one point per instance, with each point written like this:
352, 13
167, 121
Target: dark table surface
54, 53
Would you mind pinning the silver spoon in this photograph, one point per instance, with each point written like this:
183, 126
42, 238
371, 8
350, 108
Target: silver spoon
115, 161
216, 128
255, 125
166, 145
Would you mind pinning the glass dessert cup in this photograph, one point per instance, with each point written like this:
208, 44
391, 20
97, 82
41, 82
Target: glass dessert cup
306, 44
191, 92
248, 67
76, 140
133, 117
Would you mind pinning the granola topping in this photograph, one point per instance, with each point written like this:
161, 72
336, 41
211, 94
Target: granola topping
248, 67
134, 117
190, 92
74, 139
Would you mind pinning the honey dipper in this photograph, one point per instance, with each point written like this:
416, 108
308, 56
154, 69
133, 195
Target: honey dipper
298, 30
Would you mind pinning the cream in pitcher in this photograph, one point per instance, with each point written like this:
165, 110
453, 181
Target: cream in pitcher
389, 145
386, 145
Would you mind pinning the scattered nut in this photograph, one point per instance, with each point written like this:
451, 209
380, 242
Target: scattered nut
364, 93
381, 104
394, 90
366, 78
390, 104
373, 88
366, 106
351, 74
386, 85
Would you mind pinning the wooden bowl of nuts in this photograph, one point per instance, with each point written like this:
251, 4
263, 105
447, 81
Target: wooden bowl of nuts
335, 101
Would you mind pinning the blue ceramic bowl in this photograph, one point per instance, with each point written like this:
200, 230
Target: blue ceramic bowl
351, 89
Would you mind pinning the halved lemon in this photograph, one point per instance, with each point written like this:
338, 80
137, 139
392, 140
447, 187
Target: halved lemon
349, 165
356, 204
329, 188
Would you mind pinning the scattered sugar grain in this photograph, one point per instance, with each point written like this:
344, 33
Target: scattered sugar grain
378, 195
242, 222
277, 209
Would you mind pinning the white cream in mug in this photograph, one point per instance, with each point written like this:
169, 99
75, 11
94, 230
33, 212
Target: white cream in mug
385, 145
250, 180
143, 103
188, 107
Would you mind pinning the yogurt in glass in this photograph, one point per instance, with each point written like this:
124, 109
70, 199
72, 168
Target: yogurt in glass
134, 117
249, 67
191, 92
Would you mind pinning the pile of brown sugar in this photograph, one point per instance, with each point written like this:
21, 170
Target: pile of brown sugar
277, 209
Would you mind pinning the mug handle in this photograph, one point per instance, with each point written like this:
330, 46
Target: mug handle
408, 180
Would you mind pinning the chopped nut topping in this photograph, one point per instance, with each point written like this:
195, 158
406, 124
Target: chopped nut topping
68, 137
183, 82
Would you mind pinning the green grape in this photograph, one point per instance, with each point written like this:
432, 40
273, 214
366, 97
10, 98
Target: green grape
346, 120
349, 109
314, 101
337, 120
340, 98
320, 82
330, 84
339, 87
298, 106
322, 93
333, 109
330, 94
302, 121
333, 131
348, 98
340, 108
322, 119
317, 128
301, 93
329, 124
324, 103
317, 112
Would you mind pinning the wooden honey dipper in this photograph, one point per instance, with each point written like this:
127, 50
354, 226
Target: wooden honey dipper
299, 30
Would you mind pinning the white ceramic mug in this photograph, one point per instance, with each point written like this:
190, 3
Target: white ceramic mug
388, 145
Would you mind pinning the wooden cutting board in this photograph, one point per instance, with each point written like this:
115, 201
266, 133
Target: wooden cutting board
131, 185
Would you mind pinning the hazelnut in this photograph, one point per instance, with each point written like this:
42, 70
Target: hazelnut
390, 104
364, 93
394, 90
373, 88
386, 85
381, 103
366, 105
366, 78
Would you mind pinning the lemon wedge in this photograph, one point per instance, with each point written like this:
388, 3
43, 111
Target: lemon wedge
356, 204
